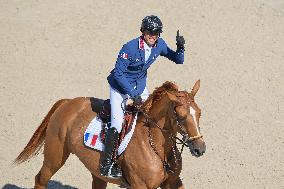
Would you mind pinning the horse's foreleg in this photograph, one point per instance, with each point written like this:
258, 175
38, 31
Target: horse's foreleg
55, 155
173, 184
98, 183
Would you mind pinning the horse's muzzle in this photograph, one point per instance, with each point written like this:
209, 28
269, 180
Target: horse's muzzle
197, 148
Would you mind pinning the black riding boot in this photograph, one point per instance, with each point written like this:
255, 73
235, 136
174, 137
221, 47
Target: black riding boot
109, 168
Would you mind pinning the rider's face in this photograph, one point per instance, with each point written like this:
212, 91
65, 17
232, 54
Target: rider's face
150, 38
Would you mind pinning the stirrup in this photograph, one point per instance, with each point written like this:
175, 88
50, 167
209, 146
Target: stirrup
115, 170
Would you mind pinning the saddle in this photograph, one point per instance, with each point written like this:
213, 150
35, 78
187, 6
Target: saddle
129, 115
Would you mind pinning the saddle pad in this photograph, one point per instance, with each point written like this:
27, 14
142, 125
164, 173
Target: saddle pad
92, 136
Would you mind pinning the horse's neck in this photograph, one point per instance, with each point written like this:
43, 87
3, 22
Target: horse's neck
162, 137
161, 128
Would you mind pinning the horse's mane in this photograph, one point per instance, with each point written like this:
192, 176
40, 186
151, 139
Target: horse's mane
158, 93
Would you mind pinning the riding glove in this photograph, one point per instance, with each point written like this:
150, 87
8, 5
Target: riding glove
137, 100
180, 41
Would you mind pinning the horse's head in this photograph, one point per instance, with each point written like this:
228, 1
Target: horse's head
181, 111
188, 114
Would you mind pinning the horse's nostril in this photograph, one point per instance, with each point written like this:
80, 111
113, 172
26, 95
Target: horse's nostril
197, 152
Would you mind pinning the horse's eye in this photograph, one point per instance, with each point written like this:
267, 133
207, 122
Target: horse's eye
181, 119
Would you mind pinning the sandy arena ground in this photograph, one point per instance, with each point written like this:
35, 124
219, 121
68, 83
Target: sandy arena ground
63, 49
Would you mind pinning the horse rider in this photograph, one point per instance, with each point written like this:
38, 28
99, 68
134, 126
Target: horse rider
128, 80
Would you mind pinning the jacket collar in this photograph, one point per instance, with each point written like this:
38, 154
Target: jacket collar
141, 43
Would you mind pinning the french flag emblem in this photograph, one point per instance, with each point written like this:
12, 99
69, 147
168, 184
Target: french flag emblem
125, 56
93, 138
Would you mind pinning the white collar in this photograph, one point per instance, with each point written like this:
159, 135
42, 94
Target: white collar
146, 47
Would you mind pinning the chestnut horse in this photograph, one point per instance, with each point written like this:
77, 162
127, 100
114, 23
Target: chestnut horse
151, 159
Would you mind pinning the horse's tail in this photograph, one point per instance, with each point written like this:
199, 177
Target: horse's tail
38, 138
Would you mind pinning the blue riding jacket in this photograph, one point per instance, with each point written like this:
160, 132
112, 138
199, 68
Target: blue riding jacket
130, 72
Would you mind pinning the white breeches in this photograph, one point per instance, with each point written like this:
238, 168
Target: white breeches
117, 102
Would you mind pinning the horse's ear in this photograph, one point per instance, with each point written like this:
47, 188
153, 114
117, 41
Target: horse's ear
195, 87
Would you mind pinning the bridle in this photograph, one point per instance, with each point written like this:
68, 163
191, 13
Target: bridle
185, 141
180, 121
185, 137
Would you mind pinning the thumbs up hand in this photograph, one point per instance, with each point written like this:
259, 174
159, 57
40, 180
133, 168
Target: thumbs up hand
180, 41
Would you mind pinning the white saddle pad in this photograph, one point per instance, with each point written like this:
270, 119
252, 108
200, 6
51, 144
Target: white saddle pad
92, 136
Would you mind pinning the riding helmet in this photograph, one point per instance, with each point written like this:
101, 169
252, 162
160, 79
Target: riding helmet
152, 24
